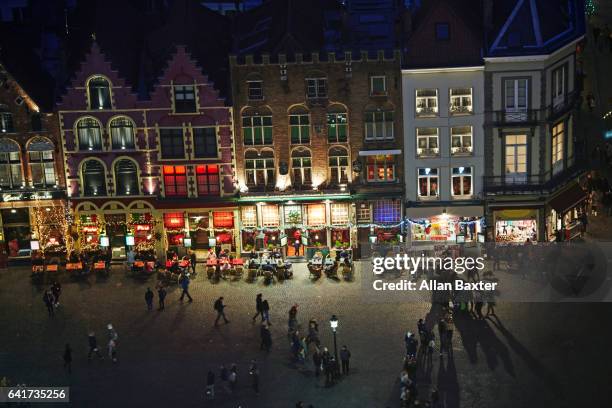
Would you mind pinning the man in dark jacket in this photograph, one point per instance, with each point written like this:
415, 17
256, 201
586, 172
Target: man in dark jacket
56, 289
93, 346
258, 307
48, 299
345, 356
193, 260
317, 359
185, 286
161, 294
220, 308
149, 299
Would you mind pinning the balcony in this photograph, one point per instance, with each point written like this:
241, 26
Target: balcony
531, 183
461, 110
428, 152
562, 106
461, 151
527, 117
424, 112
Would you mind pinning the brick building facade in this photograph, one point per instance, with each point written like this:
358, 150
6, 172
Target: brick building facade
149, 172
32, 187
318, 148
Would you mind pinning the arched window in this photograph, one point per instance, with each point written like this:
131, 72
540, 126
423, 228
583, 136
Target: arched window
126, 178
259, 169
257, 127
94, 178
338, 166
11, 175
301, 165
42, 162
6, 120
89, 134
337, 124
122, 133
99, 93
299, 125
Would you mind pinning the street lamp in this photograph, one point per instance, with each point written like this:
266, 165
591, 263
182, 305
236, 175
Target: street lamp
333, 322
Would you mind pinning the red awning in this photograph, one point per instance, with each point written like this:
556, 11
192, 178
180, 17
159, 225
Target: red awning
568, 199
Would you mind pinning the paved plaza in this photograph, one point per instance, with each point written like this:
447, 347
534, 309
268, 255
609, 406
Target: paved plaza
530, 355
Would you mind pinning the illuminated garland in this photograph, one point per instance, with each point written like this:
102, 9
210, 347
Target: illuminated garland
590, 7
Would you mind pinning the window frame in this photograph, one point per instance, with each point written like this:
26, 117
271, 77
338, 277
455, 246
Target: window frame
319, 87
268, 173
423, 174
304, 171
516, 88
373, 126
86, 186
131, 126
428, 151
338, 168
250, 95
387, 165
462, 175
516, 176
337, 127
302, 128
127, 190
208, 179
210, 154
164, 148
42, 162
183, 91
97, 144
558, 85
373, 92
461, 108
427, 110
7, 124
12, 162
461, 150
90, 96
557, 147
252, 129
175, 182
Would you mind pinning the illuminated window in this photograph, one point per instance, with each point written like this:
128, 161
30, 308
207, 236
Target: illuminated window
299, 125
89, 134
301, 165
175, 181
259, 169
99, 93
364, 213
174, 220
315, 214
6, 120
94, 178
293, 214
460, 100
428, 182
427, 142
380, 168
461, 140
462, 181
207, 178
338, 166
339, 214
223, 219
387, 211
516, 157
10, 164
558, 134
337, 125
249, 216
426, 102
269, 216
41, 159
126, 178
122, 134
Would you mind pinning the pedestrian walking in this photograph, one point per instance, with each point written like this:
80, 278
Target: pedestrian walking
422, 332
149, 299
478, 307
265, 308
161, 295
49, 302
292, 322
266, 338
233, 378
210, 385
56, 289
258, 307
490, 308
112, 350
254, 373
411, 344
185, 287
442, 334
93, 346
317, 360
193, 260
220, 309
345, 357
68, 358
112, 333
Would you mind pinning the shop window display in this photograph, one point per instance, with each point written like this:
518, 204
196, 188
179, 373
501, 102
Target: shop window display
515, 230
445, 228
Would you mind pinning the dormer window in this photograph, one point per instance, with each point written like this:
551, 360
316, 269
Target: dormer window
184, 99
99, 93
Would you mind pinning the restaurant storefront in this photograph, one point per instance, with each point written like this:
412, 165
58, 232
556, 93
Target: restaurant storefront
565, 210
452, 224
516, 225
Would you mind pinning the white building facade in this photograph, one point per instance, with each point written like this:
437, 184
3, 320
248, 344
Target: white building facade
444, 152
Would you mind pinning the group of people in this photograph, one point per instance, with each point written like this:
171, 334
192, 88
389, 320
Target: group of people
92, 341
229, 379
